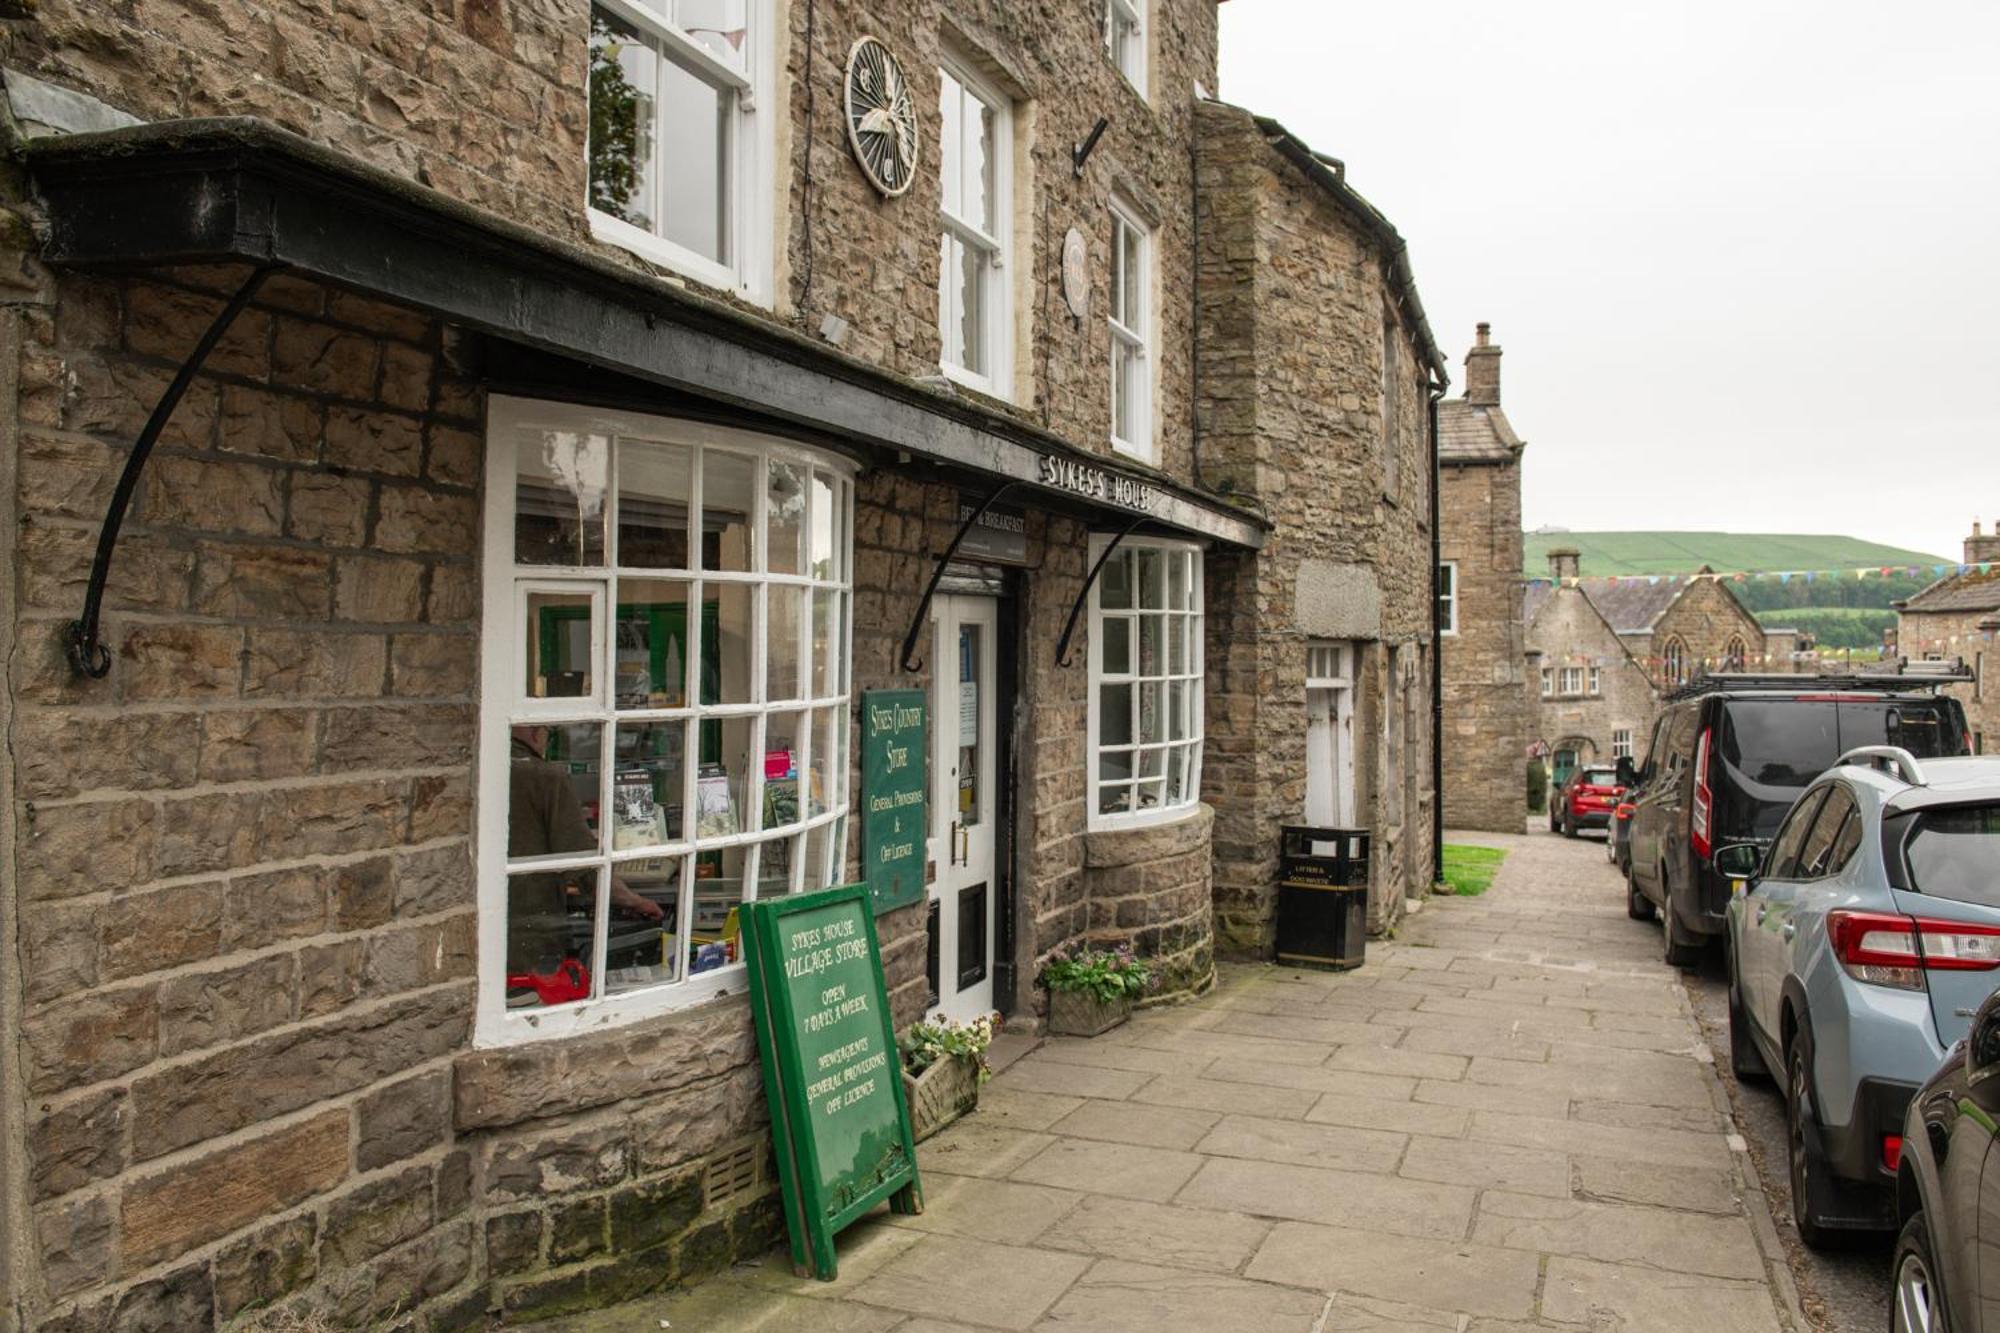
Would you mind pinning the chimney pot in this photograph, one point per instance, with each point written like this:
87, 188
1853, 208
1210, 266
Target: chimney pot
1565, 562
1483, 333
1482, 368
1982, 547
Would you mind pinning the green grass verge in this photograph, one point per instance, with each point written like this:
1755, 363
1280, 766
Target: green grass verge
1469, 870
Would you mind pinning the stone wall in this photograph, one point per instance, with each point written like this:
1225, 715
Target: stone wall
1706, 617
1292, 295
1485, 720
1568, 631
1956, 634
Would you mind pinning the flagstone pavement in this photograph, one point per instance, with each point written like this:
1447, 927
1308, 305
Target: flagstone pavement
1506, 1120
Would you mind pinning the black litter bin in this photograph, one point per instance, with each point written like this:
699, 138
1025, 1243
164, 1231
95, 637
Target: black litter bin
1322, 897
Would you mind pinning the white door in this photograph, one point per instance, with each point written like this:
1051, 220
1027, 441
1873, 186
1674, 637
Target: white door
963, 804
1329, 735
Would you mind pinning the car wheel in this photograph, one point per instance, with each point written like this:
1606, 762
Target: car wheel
1744, 1060
1637, 905
1552, 819
1569, 829
1916, 1305
1801, 1131
1677, 950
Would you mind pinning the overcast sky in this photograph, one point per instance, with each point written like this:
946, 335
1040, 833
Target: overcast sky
1744, 257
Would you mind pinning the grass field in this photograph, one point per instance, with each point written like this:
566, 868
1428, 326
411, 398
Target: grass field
1727, 552
1469, 870
1834, 626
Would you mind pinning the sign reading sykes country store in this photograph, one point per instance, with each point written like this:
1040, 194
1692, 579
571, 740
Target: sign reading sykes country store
894, 787
832, 1075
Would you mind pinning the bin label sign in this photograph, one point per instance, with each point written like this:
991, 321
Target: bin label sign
895, 814
832, 1076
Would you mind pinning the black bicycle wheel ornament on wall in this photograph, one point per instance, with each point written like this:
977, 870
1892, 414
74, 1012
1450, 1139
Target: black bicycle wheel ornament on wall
881, 117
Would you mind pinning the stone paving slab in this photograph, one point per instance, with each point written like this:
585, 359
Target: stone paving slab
1507, 1120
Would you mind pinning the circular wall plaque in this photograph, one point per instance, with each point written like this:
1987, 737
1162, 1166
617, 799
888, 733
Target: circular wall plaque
881, 119
1076, 273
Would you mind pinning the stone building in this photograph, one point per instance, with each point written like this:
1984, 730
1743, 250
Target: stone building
1959, 617
1316, 368
1487, 714
560, 416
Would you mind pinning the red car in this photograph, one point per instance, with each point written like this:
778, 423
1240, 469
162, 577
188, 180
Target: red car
1586, 800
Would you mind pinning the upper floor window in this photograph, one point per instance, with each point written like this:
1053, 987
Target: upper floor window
1146, 683
1448, 596
975, 159
1131, 322
1596, 681
680, 158
1125, 39
1572, 680
1621, 744
664, 706
1675, 661
1548, 682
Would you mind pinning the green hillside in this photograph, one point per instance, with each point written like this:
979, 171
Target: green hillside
1685, 552
1833, 626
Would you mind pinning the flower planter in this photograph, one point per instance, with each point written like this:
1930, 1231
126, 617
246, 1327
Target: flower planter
941, 1094
1074, 1013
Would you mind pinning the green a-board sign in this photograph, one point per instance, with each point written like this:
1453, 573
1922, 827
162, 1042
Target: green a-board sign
895, 811
832, 1075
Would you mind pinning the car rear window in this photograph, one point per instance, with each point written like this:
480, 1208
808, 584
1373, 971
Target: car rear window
1954, 853
1780, 742
1598, 777
1927, 728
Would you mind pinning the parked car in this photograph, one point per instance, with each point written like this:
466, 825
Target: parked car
1585, 799
1731, 753
1859, 946
1948, 1190
1618, 836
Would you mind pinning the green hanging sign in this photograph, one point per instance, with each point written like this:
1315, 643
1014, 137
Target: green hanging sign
895, 810
832, 1076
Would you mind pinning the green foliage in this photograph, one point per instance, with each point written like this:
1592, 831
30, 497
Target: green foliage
1538, 787
1469, 871
1110, 976
928, 1042
1834, 626
614, 123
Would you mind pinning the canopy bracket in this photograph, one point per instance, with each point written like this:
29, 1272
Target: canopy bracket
937, 574
1069, 628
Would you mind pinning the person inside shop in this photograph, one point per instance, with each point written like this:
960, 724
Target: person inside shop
545, 817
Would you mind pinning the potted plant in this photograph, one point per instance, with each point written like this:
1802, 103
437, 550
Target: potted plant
943, 1065
1092, 990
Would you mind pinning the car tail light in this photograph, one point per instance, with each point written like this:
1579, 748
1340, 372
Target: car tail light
1625, 809
1887, 949
1704, 799
1892, 1151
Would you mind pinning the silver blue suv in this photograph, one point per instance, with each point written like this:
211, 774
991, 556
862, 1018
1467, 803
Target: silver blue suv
1859, 947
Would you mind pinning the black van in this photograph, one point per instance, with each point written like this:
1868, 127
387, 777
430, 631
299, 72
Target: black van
1729, 755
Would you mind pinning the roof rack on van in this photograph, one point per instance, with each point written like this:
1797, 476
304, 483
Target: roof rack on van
1882, 757
1908, 676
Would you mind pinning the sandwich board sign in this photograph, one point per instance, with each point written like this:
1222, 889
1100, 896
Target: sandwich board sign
832, 1074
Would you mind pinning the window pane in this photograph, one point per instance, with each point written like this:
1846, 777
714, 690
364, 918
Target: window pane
722, 781
649, 785
774, 866
1177, 581
728, 484
1117, 645
1152, 576
624, 83
1149, 644
1114, 764
1152, 762
692, 170
1151, 794
722, 26
824, 516
652, 651
784, 733
559, 662
1114, 584
785, 607
1121, 390
725, 643
561, 479
979, 202
966, 277
641, 950
818, 875
1113, 800
653, 490
552, 790
1117, 265
1177, 772
1152, 723
829, 739
716, 937
825, 643
951, 111
785, 515
1177, 629
1133, 264
1114, 715
1177, 721
550, 937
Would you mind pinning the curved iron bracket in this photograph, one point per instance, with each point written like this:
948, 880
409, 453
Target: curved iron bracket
87, 654
1069, 628
937, 574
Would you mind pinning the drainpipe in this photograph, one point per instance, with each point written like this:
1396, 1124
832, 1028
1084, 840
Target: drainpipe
1437, 651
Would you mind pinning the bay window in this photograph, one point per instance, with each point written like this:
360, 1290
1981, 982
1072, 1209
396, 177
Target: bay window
1145, 683
664, 714
680, 152
975, 158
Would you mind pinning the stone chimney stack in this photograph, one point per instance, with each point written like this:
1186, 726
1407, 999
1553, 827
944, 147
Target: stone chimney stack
1980, 548
1564, 562
1482, 369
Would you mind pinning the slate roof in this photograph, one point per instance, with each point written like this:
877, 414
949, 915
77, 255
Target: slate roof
1474, 434
1628, 605
1959, 592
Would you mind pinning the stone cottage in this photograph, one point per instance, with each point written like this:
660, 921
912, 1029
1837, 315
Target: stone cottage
1959, 617
1481, 646
469, 466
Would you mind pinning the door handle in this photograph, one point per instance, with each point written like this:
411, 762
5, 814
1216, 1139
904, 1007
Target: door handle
952, 851
965, 844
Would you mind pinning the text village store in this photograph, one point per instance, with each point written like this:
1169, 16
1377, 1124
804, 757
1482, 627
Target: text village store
670, 709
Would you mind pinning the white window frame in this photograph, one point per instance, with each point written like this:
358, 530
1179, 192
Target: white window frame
1621, 744
749, 159
1448, 597
1134, 13
1548, 682
1570, 682
1330, 670
1193, 680
1596, 686
1142, 339
504, 705
998, 327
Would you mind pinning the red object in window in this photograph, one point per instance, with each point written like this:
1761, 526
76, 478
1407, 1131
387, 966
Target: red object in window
567, 983
1704, 799
1892, 1151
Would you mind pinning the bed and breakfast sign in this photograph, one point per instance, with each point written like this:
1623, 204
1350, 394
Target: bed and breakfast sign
832, 1074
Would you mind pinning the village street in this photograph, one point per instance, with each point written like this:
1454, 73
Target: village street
1507, 1119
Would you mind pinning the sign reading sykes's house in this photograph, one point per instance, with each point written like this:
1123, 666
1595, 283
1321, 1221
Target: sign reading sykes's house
1095, 483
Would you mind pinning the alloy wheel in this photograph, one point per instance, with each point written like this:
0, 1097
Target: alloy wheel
1915, 1297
